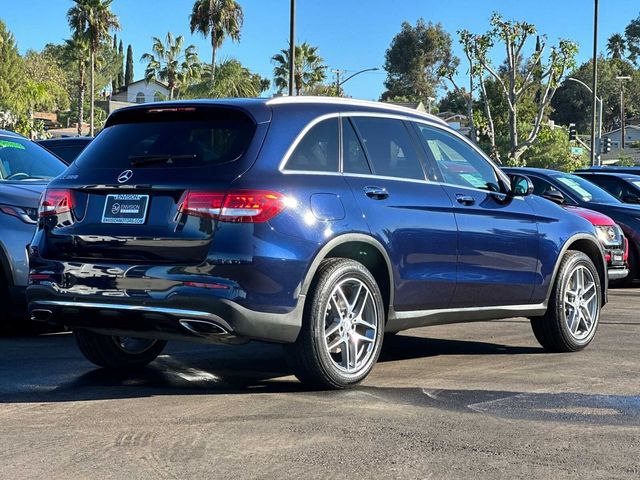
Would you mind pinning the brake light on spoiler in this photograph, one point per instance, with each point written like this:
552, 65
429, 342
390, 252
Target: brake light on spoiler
241, 206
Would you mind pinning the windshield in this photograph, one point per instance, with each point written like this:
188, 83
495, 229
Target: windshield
166, 141
585, 190
23, 160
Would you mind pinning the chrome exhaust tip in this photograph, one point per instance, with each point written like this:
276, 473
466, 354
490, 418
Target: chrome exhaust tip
41, 314
203, 327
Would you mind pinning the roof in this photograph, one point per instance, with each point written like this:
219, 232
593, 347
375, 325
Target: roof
261, 108
540, 171
153, 80
383, 106
7, 133
626, 127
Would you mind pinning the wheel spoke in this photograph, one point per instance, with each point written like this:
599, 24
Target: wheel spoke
364, 323
343, 297
355, 297
346, 361
332, 329
336, 342
337, 307
586, 314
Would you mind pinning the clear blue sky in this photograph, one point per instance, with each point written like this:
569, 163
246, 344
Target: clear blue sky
350, 34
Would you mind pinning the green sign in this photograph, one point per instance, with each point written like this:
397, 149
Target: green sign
8, 144
577, 150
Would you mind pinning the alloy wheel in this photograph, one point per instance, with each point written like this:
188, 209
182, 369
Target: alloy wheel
581, 303
351, 328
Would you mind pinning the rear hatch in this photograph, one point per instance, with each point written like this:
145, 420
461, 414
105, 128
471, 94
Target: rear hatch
125, 198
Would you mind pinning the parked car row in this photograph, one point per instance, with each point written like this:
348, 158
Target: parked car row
320, 224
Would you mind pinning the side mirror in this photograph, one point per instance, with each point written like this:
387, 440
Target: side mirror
521, 185
630, 198
554, 195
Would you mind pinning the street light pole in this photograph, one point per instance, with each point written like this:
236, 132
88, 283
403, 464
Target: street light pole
599, 130
594, 83
340, 83
292, 46
622, 78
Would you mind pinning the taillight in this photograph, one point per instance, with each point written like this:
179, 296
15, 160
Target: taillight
55, 202
243, 206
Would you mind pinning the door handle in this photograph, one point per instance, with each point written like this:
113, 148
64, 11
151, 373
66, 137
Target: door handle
465, 199
377, 193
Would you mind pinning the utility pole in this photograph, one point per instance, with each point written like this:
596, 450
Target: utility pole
594, 84
622, 78
292, 46
337, 71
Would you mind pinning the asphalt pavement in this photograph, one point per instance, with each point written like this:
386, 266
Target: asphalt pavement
475, 400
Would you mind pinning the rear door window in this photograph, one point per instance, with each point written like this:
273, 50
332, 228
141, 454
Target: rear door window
189, 139
317, 151
389, 147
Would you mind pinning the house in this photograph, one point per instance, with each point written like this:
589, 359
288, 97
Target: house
142, 91
631, 136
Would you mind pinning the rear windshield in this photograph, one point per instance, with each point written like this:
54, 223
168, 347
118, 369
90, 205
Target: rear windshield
23, 160
152, 140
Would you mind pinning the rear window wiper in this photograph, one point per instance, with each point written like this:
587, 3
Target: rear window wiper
140, 160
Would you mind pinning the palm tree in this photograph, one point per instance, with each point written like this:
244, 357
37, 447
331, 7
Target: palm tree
308, 70
217, 19
77, 51
172, 64
616, 46
233, 80
93, 20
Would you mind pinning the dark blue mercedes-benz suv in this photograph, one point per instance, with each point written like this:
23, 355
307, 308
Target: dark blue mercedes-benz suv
317, 223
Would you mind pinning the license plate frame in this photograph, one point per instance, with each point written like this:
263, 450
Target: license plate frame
132, 213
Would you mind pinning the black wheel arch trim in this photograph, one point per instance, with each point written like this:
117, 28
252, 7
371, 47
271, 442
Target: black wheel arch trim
601, 267
341, 240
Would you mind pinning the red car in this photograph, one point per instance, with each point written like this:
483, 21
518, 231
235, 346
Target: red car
612, 239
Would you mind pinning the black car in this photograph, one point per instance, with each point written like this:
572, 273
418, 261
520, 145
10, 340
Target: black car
569, 189
66, 148
624, 186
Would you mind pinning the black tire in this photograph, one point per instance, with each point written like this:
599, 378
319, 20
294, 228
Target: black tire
309, 356
633, 269
551, 329
107, 352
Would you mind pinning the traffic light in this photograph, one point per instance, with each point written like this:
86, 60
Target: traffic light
573, 133
606, 145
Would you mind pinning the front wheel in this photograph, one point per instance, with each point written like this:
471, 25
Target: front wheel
342, 327
117, 352
572, 315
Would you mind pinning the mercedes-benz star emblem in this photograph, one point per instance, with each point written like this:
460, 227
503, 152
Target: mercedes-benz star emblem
125, 176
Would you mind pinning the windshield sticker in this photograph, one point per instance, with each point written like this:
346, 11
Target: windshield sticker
474, 180
575, 186
8, 144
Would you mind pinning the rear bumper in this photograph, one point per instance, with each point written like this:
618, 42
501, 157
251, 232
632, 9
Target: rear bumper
180, 318
617, 273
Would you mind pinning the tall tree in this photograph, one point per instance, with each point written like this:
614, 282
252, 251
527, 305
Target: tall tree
116, 72
414, 59
519, 77
128, 71
572, 102
309, 69
232, 80
77, 52
616, 46
120, 65
216, 19
11, 74
170, 62
632, 37
94, 20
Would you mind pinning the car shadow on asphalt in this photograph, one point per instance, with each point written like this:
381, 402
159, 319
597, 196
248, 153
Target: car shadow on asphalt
50, 369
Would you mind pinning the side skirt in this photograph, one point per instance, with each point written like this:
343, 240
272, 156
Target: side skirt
422, 318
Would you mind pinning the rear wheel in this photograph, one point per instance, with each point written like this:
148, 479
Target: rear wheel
571, 320
342, 327
117, 352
